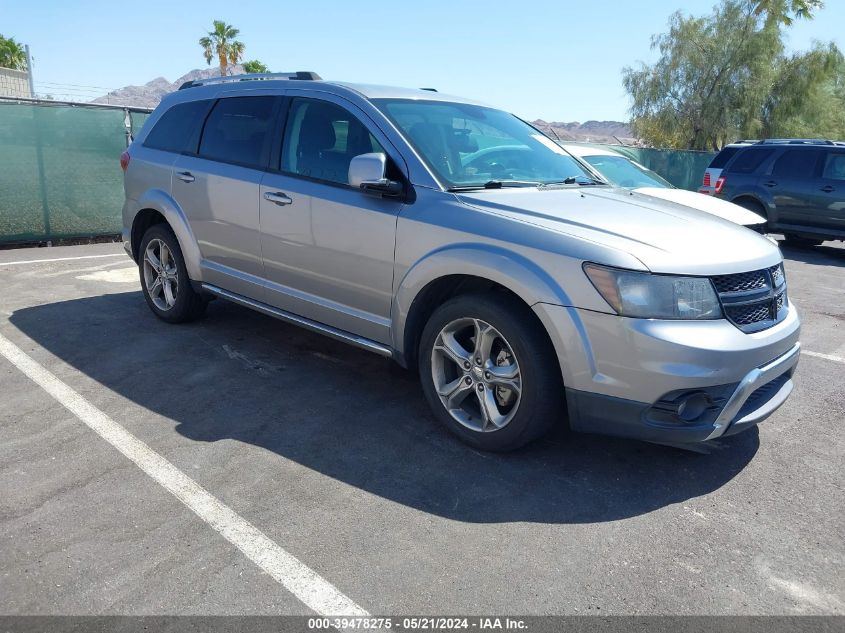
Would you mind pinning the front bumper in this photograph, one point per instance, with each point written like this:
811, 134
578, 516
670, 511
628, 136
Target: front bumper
623, 376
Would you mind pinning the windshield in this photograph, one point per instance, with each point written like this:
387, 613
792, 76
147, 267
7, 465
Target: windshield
623, 172
469, 146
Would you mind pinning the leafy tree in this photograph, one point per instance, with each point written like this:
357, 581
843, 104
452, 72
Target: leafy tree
726, 76
782, 10
12, 54
221, 42
255, 66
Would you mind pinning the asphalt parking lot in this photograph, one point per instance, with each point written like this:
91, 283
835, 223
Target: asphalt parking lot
331, 454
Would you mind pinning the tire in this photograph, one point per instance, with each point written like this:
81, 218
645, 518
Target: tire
515, 352
801, 242
180, 303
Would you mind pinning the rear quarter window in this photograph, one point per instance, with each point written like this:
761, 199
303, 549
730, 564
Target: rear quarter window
721, 159
748, 160
177, 128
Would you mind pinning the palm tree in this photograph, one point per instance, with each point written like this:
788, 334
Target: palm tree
12, 54
221, 42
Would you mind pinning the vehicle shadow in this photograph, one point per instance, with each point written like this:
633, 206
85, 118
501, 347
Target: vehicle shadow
822, 255
355, 417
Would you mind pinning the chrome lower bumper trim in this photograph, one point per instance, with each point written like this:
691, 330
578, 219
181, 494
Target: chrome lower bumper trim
755, 379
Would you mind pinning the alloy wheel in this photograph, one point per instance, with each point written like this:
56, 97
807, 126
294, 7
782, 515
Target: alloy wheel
476, 374
161, 275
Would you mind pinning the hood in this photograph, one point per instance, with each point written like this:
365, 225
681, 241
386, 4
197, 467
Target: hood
708, 204
665, 236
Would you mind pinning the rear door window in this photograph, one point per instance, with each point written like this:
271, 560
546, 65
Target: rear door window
749, 159
176, 130
798, 164
238, 130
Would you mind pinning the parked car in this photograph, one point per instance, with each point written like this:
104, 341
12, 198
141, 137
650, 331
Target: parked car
523, 289
621, 171
798, 185
714, 169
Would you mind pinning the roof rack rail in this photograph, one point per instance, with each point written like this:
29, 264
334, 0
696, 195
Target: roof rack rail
796, 141
301, 75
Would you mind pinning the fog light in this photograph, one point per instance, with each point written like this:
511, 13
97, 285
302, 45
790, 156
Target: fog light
693, 406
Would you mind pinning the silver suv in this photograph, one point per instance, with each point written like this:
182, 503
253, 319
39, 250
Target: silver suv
458, 240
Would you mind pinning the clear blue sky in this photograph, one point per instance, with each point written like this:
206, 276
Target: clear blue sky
557, 60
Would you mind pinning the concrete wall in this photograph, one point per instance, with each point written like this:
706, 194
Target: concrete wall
14, 83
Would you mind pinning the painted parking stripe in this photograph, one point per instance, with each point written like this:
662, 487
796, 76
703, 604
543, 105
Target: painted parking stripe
303, 582
61, 259
835, 359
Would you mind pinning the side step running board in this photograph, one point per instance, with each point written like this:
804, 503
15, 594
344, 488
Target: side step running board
290, 317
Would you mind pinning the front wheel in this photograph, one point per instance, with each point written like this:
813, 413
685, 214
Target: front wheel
489, 371
164, 278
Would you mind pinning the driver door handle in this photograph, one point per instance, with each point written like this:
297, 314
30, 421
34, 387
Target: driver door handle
185, 176
771, 183
278, 198
828, 188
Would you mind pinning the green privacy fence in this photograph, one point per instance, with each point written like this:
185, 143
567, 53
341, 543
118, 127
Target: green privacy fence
60, 174
683, 168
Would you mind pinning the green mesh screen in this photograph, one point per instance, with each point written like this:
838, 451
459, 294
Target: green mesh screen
683, 168
60, 176
59, 170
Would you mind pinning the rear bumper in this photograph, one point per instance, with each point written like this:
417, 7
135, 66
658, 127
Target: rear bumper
632, 377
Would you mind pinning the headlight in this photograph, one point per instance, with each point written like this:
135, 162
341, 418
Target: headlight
647, 296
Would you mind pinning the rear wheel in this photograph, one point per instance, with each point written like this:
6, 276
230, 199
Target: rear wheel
489, 372
164, 278
800, 241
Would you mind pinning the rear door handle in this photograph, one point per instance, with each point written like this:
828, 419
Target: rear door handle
185, 176
771, 183
828, 188
278, 198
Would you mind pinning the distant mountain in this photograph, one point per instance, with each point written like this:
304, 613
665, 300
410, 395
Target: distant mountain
589, 131
148, 96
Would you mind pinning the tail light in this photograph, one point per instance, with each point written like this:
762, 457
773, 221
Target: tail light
720, 183
124, 160
706, 178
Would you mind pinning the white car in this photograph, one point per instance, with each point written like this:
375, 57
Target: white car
621, 171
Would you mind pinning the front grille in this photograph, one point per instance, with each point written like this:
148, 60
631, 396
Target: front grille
746, 315
741, 282
777, 275
754, 300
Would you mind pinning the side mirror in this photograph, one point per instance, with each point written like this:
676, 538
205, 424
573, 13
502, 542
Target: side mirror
367, 172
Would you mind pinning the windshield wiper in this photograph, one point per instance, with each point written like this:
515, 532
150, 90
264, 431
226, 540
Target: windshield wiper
574, 180
496, 184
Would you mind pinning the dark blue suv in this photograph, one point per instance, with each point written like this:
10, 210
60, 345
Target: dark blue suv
797, 185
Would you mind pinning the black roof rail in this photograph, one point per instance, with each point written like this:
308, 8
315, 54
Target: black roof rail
795, 141
429, 89
300, 75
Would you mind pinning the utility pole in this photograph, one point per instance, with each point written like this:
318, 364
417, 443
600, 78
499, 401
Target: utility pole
29, 72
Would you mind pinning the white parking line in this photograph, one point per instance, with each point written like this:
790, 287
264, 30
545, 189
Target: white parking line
835, 359
303, 582
61, 259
